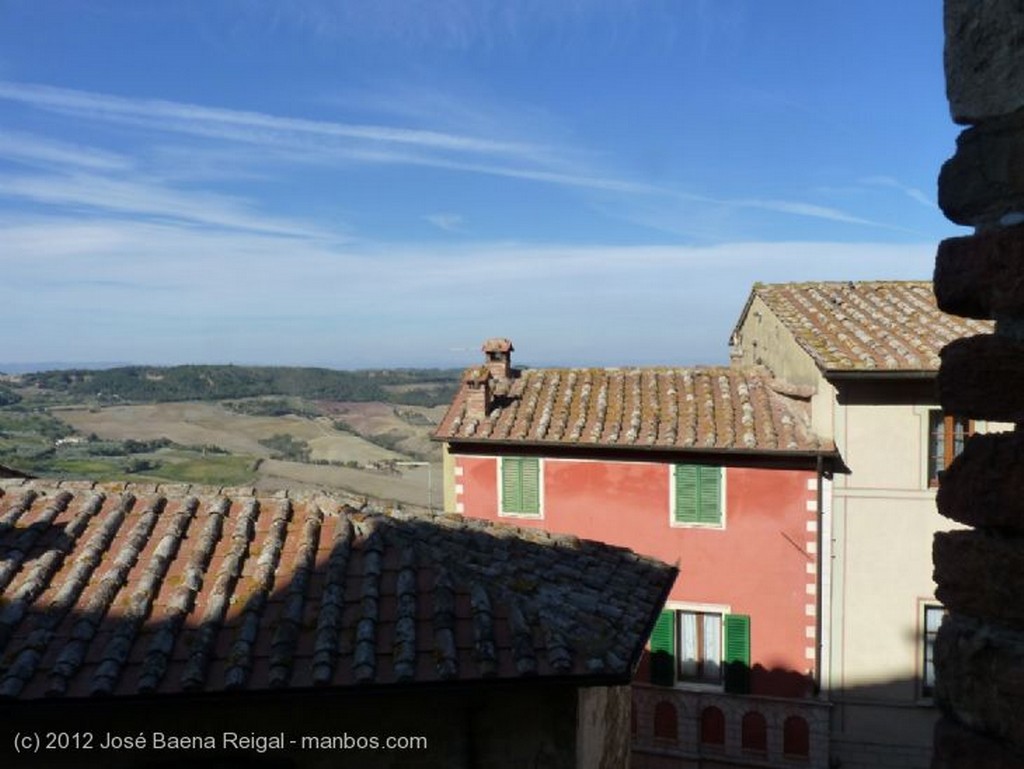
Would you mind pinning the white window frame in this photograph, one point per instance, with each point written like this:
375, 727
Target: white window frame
707, 608
539, 515
672, 501
922, 643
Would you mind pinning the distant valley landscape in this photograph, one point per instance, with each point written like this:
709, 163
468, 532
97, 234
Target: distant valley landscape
366, 432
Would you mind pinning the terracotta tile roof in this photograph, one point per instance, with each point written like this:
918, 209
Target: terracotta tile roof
716, 408
868, 325
122, 590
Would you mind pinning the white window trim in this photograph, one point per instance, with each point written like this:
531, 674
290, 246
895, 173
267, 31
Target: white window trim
922, 606
672, 501
539, 515
707, 608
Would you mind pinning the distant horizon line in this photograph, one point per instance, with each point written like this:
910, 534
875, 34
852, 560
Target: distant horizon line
41, 367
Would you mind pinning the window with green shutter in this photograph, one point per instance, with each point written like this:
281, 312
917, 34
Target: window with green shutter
701, 647
520, 485
698, 495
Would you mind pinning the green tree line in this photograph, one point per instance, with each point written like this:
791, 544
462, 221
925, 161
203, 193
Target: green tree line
179, 383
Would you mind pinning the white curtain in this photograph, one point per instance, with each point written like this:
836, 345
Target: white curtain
687, 644
712, 647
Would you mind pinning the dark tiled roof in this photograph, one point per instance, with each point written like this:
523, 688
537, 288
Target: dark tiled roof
719, 409
867, 326
123, 590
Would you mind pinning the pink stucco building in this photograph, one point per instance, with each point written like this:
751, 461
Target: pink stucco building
715, 469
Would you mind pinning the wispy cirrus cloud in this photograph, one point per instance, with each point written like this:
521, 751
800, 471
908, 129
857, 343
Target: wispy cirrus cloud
33, 150
242, 125
911, 192
303, 140
91, 192
245, 144
805, 209
447, 222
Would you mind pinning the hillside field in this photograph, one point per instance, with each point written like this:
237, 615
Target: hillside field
271, 441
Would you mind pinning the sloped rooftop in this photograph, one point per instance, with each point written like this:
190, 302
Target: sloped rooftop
113, 589
713, 408
866, 326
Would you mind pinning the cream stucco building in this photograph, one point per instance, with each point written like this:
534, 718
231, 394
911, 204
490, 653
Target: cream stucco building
865, 356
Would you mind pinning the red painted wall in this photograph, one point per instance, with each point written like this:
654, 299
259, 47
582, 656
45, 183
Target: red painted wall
756, 565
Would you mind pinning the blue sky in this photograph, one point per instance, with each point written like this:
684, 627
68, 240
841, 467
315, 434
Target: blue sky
389, 183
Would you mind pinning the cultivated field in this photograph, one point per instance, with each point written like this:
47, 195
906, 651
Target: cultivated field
373, 436
408, 485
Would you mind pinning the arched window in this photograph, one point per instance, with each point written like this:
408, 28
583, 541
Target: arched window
754, 732
796, 738
666, 721
712, 726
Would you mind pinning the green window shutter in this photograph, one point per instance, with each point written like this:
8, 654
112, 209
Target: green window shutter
520, 485
511, 499
710, 495
737, 653
687, 492
663, 648
698, 494
530, 485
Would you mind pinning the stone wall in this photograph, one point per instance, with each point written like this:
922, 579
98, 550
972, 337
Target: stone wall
979, 653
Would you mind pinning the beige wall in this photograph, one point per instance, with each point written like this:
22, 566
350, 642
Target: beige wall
885, 447
883, 523
884, 520
763, 341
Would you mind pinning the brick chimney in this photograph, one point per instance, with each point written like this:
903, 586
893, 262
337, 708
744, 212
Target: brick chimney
477, 382
498, 357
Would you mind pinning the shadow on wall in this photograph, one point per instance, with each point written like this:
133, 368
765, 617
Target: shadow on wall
702, 727
738, 679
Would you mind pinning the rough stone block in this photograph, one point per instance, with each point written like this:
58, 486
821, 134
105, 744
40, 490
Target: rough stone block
982, 377
959, 748
982, 487
980, 677
984, 68
981, 574
982, 276
984, 180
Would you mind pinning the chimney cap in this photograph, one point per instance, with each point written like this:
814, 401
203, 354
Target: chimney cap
498, 344
476, 376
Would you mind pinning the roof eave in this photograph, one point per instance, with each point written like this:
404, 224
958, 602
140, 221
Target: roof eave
644, 449
877, 374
